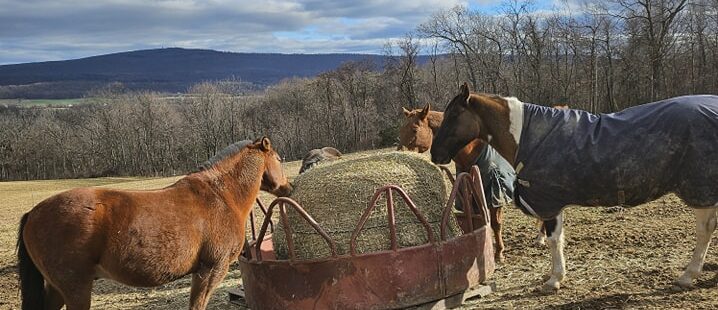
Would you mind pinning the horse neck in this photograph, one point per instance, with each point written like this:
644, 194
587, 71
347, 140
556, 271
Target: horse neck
435, 118
236, 179
466, 157
495, 114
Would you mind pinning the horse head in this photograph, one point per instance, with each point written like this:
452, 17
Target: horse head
274, 180
416, 133
460, 126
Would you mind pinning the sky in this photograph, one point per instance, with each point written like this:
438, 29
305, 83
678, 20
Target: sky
44, 30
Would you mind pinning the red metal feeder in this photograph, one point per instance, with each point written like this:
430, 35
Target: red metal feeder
439, 274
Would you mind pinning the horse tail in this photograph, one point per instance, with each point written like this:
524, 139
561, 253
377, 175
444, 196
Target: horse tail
32, 285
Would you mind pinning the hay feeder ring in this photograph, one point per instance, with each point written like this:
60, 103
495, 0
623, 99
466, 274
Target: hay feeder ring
437, 275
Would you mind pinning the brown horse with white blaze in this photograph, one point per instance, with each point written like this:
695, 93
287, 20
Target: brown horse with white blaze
604, 167
145, 238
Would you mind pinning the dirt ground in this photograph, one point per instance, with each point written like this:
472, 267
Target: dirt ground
615, 259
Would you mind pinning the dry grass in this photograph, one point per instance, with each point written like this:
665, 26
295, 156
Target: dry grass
615, 260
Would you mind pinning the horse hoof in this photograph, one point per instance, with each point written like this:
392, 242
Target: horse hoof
499, 258
551, 286
677, 288
684, 283
540, 242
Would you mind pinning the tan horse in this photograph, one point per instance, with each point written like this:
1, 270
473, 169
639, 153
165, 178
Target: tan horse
145, 238
517, 129
416, 135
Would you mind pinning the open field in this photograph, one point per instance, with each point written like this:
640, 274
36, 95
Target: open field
42, 102
625, 259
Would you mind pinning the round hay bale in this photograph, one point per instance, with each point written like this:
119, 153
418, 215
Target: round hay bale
336, 195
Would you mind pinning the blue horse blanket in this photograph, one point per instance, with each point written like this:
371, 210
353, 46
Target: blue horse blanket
497, 176
572, 157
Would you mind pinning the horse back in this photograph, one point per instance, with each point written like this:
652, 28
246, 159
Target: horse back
623, 158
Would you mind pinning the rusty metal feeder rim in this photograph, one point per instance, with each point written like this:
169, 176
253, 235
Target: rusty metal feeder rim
387, 190
350, 256
466, 180
283, 201
472, 188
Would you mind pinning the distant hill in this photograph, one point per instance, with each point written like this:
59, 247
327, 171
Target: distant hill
167, 69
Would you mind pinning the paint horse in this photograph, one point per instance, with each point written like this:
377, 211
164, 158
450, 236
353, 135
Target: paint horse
498, 176
571, 157
315, 156
145, 238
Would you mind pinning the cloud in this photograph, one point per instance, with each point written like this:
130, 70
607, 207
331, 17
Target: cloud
39, 30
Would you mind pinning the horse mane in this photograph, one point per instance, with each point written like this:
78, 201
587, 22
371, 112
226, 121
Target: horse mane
225, 153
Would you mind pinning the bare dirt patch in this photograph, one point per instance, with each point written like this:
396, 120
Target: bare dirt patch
615, 260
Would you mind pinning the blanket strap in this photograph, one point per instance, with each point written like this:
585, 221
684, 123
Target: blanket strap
519, 167
523, 183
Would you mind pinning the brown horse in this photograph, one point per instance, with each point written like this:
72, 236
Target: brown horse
145, 238
572, 157
416, 135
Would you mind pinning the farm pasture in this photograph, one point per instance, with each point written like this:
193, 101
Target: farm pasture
42, 102
617, 259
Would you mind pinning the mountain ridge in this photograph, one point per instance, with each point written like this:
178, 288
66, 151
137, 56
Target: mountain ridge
166, 69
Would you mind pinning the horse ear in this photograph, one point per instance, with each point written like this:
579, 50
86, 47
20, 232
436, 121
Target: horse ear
265, 145
464, 89
425, 112
407, 113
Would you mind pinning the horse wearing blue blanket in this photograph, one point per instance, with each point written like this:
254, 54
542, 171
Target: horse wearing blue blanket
572, 157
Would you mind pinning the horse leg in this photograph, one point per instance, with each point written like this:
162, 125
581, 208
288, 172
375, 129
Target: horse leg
554, 230
53, 298
497, 218
204, 281
69, 285
541, 235
77, 296
705, 225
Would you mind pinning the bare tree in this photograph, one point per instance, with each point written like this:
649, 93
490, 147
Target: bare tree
656, 25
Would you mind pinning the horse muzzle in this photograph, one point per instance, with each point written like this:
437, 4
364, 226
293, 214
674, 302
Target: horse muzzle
283, 190
440, 159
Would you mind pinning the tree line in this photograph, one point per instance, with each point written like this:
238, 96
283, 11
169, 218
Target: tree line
600, 56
